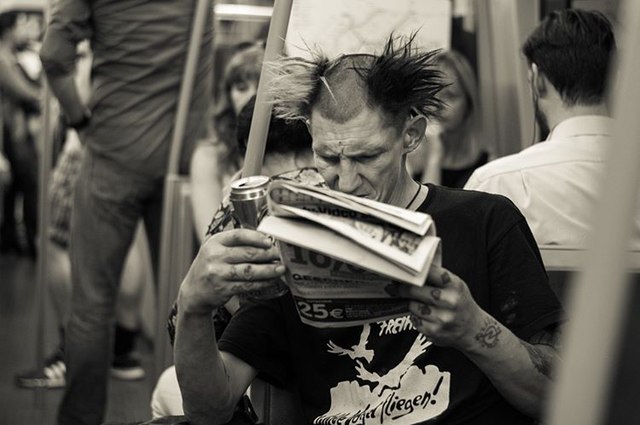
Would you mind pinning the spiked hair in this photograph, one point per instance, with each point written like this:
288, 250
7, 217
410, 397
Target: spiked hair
399, 81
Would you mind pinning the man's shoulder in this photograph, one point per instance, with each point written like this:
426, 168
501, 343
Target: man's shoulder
510, 164
458, 203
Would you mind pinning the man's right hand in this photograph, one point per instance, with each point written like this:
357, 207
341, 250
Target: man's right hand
229, 263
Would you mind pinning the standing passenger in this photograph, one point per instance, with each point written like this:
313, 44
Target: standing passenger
139, 52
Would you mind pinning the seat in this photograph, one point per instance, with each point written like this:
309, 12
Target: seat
561, 263
273, 405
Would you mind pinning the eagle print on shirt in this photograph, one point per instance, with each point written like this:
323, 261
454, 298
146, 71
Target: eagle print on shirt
405, 394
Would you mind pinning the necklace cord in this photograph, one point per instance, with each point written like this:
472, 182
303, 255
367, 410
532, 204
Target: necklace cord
414, 196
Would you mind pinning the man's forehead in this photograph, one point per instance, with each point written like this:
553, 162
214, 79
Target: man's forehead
364, 132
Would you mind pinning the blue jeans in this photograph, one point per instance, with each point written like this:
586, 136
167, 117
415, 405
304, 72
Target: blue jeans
108, 202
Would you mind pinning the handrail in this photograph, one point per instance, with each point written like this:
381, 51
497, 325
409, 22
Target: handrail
241, 12
571, 258
262, 113
173, 180
23, 6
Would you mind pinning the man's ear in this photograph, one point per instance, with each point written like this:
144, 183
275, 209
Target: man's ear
538, 81
414, 132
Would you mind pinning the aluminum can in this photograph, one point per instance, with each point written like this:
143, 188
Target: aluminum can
248, 198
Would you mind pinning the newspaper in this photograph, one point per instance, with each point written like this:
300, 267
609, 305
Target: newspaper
342, 251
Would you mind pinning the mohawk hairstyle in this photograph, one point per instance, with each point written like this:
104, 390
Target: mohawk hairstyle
399, 80
403, 77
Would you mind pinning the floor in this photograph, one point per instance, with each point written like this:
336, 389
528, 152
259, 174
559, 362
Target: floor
128, 401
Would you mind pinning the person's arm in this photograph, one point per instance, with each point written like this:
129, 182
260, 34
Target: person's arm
16, 86
206, 185
446, 313
69, 24
211, 381
227, 264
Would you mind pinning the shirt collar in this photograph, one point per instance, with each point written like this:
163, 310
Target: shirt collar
581, 126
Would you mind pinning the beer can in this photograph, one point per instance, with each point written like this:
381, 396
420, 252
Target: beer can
248, 198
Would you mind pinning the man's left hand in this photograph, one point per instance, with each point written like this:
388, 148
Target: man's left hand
443, 309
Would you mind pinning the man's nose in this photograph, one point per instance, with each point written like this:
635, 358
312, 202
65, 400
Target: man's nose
348, 177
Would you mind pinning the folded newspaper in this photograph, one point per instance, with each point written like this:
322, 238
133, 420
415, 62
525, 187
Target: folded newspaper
341, 252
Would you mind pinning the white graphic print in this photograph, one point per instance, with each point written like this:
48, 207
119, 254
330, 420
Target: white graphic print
357, 351
406, 394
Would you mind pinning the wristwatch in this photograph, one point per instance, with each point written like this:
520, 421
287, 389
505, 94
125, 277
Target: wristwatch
82, 123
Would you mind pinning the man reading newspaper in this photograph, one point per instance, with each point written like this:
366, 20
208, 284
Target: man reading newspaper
480, 341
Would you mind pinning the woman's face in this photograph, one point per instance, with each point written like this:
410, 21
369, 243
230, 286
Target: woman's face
240, 94
457, 103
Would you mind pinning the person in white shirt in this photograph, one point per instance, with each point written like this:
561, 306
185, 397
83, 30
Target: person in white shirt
556, 183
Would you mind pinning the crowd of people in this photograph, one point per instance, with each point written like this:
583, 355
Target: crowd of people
401, 126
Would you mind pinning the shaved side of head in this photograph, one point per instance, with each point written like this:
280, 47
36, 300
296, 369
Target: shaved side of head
343, 93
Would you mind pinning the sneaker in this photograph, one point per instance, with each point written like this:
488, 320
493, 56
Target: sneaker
51, 376
127, 368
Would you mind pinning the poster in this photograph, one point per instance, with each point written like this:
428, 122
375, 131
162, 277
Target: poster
362, 26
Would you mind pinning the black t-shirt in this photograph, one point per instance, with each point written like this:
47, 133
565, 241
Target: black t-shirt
386, 373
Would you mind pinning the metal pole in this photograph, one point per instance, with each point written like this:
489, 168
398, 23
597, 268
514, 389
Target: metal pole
203, 7
45, 164
262, 112
599, 303
172, 181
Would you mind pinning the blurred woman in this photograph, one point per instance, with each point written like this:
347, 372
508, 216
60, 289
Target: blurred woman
215, 160
454, 147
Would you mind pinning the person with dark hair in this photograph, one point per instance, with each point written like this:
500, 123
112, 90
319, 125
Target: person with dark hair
139, 54
478, 346
556, 183
287, 157
19, 98
215, 160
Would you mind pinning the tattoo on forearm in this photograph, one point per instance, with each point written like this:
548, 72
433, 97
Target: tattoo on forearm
488, 335
541, 361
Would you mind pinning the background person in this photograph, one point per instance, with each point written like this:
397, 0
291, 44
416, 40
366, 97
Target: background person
19, 99
139, 53
217, 159
556, 183
124, 364
454, 141
63, 179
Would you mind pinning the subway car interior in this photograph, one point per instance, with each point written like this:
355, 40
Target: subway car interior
132, 132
